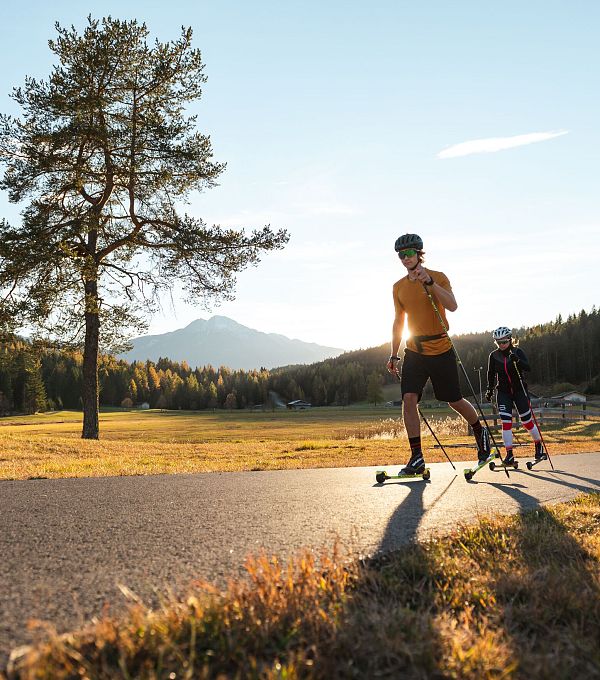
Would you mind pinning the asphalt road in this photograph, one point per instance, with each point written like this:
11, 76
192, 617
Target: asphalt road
66, 544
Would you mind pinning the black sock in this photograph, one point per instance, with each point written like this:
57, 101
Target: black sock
477, 431
415, 446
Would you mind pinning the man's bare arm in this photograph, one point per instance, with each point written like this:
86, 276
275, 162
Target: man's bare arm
397, 330
446, 297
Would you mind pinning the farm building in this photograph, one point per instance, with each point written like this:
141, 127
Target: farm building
572, 397
298, 404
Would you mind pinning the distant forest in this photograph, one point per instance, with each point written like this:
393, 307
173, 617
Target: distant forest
564, 354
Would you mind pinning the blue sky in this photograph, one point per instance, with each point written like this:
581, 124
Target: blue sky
331, 117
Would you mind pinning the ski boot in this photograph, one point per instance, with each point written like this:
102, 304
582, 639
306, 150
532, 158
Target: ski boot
509, 461
540, 455
414, 468
484, 446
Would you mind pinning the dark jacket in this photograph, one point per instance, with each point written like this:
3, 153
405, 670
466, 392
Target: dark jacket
502, 371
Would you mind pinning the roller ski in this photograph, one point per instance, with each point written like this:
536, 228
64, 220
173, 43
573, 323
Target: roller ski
415, 468
509, 462
485, 456
381, 475
540, 456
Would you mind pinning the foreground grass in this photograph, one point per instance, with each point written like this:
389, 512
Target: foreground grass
510, 597
154, 442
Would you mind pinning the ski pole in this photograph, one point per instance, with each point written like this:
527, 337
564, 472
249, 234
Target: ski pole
533, 414
435, 437
464, 370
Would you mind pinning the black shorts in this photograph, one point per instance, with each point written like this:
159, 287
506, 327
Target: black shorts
440, 368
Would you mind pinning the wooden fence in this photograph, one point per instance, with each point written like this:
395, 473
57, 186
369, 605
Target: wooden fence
544, 414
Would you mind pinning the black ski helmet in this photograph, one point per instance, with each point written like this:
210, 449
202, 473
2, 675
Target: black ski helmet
408, 241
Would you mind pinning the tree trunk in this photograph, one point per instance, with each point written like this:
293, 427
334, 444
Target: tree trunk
91, 427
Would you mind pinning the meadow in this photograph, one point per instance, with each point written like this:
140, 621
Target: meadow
135, 442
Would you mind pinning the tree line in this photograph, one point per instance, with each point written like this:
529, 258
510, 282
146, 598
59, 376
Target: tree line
33, 377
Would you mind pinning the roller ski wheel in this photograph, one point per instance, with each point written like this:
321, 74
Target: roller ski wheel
492, 466
469, 472
381, 476
531, 464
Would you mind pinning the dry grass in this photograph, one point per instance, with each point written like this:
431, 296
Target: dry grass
141, 443
393, 428
511, 597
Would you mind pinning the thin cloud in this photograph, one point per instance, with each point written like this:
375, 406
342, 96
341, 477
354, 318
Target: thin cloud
493, 144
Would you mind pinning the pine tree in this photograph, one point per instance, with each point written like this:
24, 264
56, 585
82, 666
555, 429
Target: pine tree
34, 392
104, 153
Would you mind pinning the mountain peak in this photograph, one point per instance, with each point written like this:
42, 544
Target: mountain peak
216, 321
221, 341
219, 321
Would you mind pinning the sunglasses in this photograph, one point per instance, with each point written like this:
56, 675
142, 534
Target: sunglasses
503, 342
409, 252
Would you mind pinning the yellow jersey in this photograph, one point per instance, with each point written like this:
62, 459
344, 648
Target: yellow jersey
411, 298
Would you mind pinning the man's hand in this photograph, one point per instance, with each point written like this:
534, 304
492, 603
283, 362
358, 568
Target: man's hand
392, 364
419, 273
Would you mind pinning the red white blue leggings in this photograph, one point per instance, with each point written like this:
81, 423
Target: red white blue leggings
505, 407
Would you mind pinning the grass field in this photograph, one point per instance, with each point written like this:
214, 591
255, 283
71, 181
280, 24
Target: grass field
152, 442
511, 597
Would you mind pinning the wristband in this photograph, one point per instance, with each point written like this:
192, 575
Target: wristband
394, 357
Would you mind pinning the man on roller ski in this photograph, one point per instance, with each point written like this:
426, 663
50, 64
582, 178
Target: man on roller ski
505, 375
428, 353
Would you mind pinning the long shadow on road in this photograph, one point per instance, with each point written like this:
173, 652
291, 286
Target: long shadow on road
588, 485
400, 624
595, 482
398, 637
403, 525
